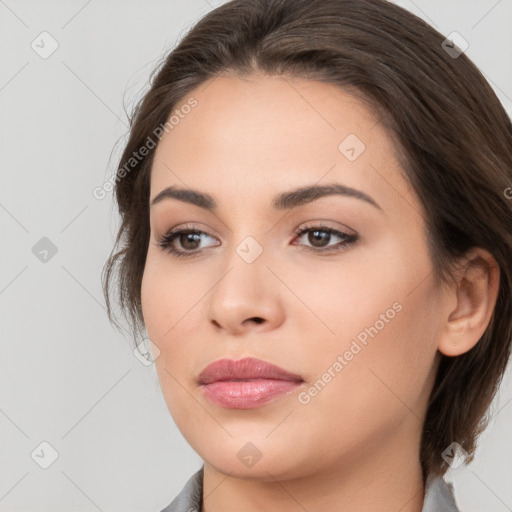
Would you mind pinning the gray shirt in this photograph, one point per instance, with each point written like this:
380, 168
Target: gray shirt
438, 496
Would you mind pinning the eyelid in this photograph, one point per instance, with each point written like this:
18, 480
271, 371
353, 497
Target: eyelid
326, 224
191, 226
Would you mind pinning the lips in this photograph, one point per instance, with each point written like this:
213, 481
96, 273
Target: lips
246, 383
244, 369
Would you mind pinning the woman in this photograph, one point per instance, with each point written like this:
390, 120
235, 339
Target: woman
317, 238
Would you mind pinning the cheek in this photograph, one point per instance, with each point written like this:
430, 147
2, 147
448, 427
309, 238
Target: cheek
343, 298
154, 301
374, 379
168, 296
164, 311
171, 302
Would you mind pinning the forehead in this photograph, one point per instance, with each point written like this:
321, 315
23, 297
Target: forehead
261, 134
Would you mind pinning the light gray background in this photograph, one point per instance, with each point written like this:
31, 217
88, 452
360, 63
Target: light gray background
66, 377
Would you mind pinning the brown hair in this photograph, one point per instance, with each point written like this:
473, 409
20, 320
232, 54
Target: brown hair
452, 133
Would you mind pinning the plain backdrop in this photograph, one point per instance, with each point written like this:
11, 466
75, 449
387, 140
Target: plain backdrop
67, 378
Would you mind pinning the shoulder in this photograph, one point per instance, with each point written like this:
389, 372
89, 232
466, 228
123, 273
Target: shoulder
439, 495
190, 497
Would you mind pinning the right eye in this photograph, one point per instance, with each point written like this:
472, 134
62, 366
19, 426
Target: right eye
188, 239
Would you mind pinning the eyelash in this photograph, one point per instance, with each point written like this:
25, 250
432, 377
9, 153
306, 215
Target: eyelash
165, 242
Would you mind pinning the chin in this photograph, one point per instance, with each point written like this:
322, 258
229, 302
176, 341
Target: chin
246, 460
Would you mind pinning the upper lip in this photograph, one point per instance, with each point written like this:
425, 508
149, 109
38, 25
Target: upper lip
244, 369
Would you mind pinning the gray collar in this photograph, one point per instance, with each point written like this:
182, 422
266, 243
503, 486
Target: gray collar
439, 496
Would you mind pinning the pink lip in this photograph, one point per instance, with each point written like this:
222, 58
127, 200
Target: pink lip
245, 383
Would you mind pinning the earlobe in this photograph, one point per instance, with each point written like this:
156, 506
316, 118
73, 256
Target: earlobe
475, 293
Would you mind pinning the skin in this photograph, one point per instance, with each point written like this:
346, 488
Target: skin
355, 445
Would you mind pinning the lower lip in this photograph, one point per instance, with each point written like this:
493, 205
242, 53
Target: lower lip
247, 394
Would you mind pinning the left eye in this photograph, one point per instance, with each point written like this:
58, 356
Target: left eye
320, 237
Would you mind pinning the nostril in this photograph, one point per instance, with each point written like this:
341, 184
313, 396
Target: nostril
257, 319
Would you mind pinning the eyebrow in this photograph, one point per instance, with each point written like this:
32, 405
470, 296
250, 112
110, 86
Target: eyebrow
283, 201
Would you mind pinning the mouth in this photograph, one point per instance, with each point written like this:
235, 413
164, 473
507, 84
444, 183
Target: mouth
246, 383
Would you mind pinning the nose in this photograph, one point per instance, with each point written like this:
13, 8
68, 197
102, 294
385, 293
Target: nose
247, 298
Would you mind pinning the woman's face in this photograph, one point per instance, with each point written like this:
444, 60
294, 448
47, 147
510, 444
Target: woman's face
334, 288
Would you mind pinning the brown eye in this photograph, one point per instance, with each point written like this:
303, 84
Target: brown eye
189, 241
319, 239
184, 242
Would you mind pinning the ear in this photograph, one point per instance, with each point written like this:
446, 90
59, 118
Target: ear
472, 300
